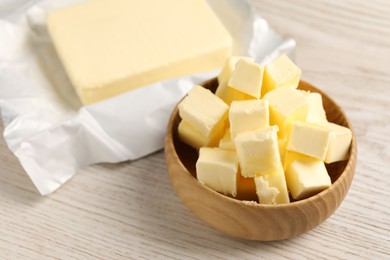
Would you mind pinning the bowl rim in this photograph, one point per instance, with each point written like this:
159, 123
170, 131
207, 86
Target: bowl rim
349, 167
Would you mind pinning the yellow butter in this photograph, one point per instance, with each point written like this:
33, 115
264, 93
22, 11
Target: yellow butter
265, 193
340, 142
226, 142
278, 180
291, 156
306, 177
196, 139
217, 169
111, 46
286, 105
248, 115
309, 139
258, 151
247, 77
204, 111
281, 72
315, 112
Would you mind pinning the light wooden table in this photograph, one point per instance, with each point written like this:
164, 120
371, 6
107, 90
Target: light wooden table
129, 210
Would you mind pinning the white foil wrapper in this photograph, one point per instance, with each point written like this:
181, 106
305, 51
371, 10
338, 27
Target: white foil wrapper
45, 125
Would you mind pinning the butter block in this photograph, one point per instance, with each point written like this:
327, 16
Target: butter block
339, 144
281, 72
248, 115
196, 139
217, 169
109, 47
286, 105
247, 77
203, 110
307, 177
309, 139
226, 142
258, 151
266, 194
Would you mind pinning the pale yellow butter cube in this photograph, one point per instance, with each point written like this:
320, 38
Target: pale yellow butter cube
196, 139
266, 194
226, 142
217, 169
109, 47
258, 151
248, 115
309, 139
306, 177
316, 112
286, 105
281, 72
226, 93
227, 69
340, 141
247, 77
277, 181
203, 110
291, 156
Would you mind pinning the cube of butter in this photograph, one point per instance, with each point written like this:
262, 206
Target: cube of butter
291, 156
316, 112
277, 181
248, 115
281, 72
108, 47
226, 141
217, 169
286, 105
340, 141
247, 77
307, 177
309, 139
266, 194
196, 139
258, 151
228, 68
203, 110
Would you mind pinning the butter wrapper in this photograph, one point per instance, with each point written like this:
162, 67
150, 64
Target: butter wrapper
48, 129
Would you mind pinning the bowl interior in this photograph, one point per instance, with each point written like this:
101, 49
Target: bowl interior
188, 155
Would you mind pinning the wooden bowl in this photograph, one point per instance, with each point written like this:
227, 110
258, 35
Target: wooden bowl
252, 220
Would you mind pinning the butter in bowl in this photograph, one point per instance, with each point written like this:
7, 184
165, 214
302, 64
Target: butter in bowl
267, 157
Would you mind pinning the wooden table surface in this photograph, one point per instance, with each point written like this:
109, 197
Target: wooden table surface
129, 210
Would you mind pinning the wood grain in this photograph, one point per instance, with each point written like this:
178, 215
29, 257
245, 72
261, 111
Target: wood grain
130, 210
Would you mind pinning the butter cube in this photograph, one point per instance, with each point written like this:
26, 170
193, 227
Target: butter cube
203, 110
217, 169
227, 69
258, 151
196, 139
248, 115
281, 72
266, 186
309, 139
316, 112
340, 141
247, 77
291, 156
226, 142
266, 194
307, 177
226, 93
110, 47
286, 105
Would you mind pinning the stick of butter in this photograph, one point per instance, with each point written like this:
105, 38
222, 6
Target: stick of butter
111, 46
